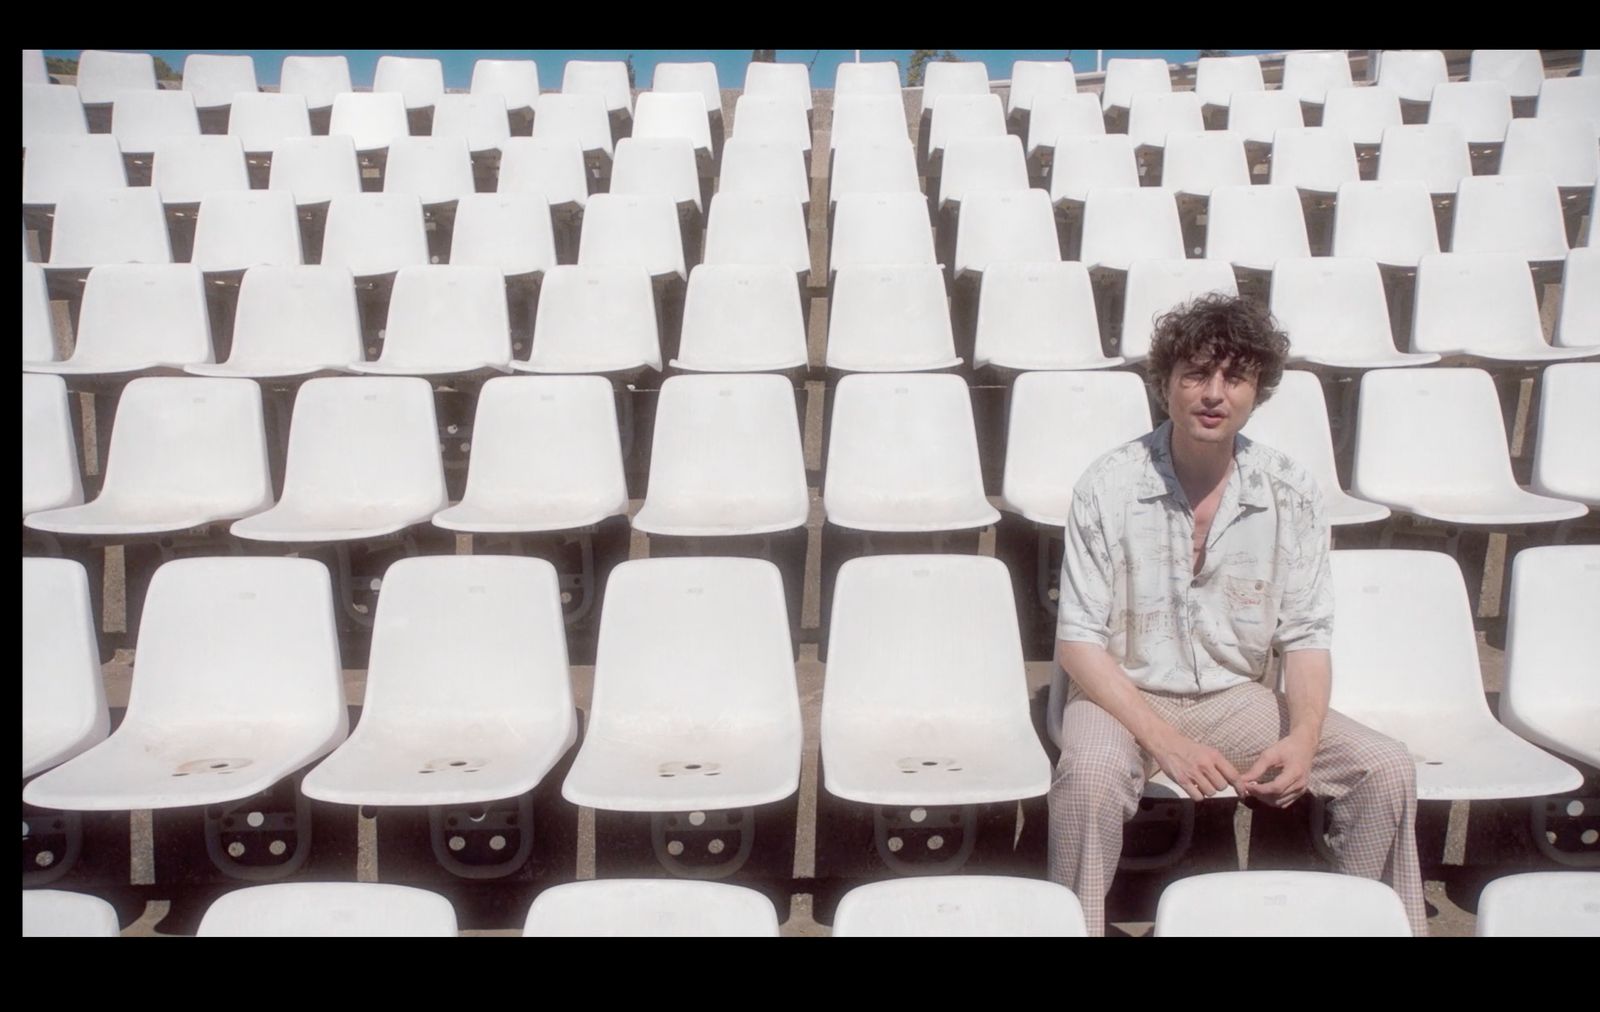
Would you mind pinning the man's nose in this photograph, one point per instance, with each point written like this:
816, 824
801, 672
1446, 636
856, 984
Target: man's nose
1216, 386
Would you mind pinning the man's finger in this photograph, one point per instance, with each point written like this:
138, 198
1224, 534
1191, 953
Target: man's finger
1213, 777
1266, 761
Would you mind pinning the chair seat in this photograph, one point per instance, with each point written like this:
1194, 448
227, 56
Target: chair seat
543, 513
720, 515
953, 512
931, 762
1463, 759
262, 370
1048, 363
959, 906
329, 910
1343, 508
102, 518
1509, 506
1533, 353
686, 768
98, 367
657, 908
381, 368
1367, 360
351, 523
1570, 730
730, 360
50, 913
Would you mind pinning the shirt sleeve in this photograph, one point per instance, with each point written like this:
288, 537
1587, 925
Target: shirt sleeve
1083, 613
1305, 612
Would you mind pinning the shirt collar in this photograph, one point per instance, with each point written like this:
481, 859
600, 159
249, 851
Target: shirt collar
1247, 486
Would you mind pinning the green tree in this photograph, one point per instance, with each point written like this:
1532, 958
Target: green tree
64, 67
165, 72
920, 58
764, 56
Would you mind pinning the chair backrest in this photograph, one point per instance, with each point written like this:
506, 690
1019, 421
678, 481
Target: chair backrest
419, 80
1362, 113
1555, 591
1153, 116
1294, 420
1033, 80
329, 910
696, 77
1057, 117
771, 118
1124, 225
1310, 76
144, 314
1320, 159
1332, 307
1258, 115
755, 228
889, 318
953, 78
1158, 286
958, 116
63, 693
1128, 79
33, 67
51, 109
508, 231
580, 118
673, 114
867, 78
1429, 429
1006, 226
49, 451
102, 76
1578, 325
142, 119
53, 913
319, 78
607, 79
1562, 148
960, 906
437, 169
244, 228
1199, 162
96, 227
296, 317
1475, 302
187, 169
215, 80
38, 329
1093, 161
263, 121
371, 119
1541, 904
1279, 903
315, 169
1482, 109
1036, 315
664, 165
515, 81
867, 117
479, 118
374, 233
1566, 457
881, 228
776, 167
886, 165
1412, 73
632, 230
1520, 70
1571, 98
1391, 223
595, 319
788, 80
982, 163
1256, 226
1060, 423
651, 908
448, 315
1217, 79
742, 318
1433, 154
551, 166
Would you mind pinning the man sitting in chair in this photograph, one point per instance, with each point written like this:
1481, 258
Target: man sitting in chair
1191, 554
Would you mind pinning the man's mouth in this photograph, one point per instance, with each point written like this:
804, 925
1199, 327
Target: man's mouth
1211, 419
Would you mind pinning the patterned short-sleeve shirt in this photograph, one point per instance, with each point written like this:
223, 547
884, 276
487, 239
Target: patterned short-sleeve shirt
1127, 580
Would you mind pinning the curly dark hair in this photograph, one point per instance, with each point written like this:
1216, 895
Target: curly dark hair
1213, 329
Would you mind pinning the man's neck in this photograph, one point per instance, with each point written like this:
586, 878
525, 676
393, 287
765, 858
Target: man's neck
1200, 467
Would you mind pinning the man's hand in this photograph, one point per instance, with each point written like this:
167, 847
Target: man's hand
1198, 769
1282, 773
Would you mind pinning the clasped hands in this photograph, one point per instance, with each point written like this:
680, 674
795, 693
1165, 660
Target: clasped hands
1280, 776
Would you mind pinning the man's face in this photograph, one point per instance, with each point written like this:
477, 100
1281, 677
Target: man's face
1209, 403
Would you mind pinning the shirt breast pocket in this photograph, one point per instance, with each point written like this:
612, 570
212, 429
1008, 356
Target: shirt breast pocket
1253, 616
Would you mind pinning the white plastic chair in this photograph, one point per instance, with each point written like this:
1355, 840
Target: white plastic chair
320, 79
142, 119
49, 452
1038, 316
1315, 159
881, 228
606, 79
444, 320
419, 81
959, 117
1408, 668
315, 169
982, 163
780, 118
137, 317
552, 167
696, 77
1431, 442
1060, 423
890, 318
1565, 462
63, 694
873, 78
38, 328
1265, 904
214, 80
1005, 226
1391, 223
480, 119
263, 121
516, 82
887, 165
751, 228
674, 114
50, 110
371, 119
1081, 164
374, 233
51, 913
508, 231
960, 906
1335, 313
1578, 325
546, 456
695, 706
664, 165
1124, 225
785, 80
1563, 149
1482, 109
499, 723
594, 319
1217, 79
578, 118
867, 117
1412, 74
927, 696
102, 76
1510, 214
1295, 421
1550, 697
770, 167
1256, 227
1520, 70
1433, 154
1362, 113
742, 318
187, 169
437, 170
637, 230
1571, 98
363, 462
651, 908
237, 677
1158, 286
1057, 117
1197, 163
1484, 305
903, 455
329, 910
185, 452
726, 459
942, 77
1033, 80
1127, 79
1152, 117
1257, 116
109, 227
291, 321
1310, 76
1541, 905
33, 67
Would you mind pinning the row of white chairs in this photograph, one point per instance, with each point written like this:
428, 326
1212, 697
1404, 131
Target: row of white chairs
1222, 904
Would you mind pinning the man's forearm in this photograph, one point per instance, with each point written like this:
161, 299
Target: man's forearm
1308, 682
1102, 679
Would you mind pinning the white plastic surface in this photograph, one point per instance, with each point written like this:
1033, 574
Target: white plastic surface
867, 117
374, 233
1196, 163
1482, 304
58, 166
546, 456
959, 906
1562, 148
467, 694
606, 79
319, 78
329, 910
673, 114
941, 77
315, 169
1391, 223
1510, 214
49, 452
263, 121
1412, 74
1258, 115
903, 455
51, 913
982, 163
51, 109
772, 118
63, 694
772, 167
638, 230
515, 81
479, 119
371, 119
119, 226
957, 117
752, 228
507, 231
1317, 159
1280, 904
726, 458
1060, 423
1056, 117
1482, 109
214, 80
664, 165
291, 321
742, 318
579, 118
1256, 227
1566, 460
1335, 313
1124, 225
1127, 79
1578, 325
1362, 113
33, 67
436, 169
927, 697
786, 80
1090, 162
551, 166
363, 462
1034, 80
884, 165
1544, 904
237, 686
695, 77
1005, 226
695, 705
102, 75
137, 317
1520, 70
1217, 79
38, 328
890, 319
142, 119
1152, 117
1551, 696
187, 169
444, 320
1571, 98
1038, 316
651, 908
1408, 667
880, 77
420, 81
1156, 287
1433, 154
1294, 420
1310, 76
594, 319
185, 452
